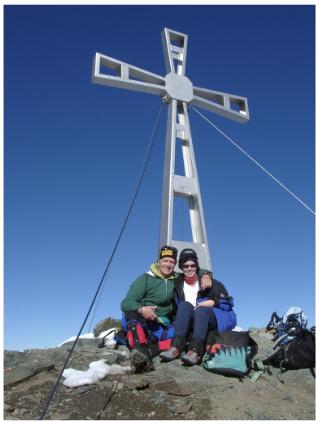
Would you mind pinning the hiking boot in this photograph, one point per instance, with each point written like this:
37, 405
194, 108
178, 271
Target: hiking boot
141, 361
195, 352
170, 354
191, 358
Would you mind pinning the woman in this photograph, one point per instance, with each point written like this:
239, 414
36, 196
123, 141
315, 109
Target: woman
200, 309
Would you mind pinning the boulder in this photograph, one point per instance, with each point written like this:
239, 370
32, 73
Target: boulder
105, 324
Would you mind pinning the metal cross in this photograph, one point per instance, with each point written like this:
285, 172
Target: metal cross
177, 91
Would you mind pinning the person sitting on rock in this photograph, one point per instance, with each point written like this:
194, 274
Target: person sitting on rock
149, 305
198, 309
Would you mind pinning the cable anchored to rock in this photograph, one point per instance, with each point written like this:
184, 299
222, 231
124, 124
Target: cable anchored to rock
255, 161
140, 179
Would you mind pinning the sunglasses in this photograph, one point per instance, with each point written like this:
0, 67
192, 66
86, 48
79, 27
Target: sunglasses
189, 266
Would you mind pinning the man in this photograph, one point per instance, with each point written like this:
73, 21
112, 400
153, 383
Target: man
149, 303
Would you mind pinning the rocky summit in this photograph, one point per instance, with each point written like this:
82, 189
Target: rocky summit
171, 391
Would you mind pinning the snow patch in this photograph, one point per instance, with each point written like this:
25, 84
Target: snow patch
238, 329
109, 341
97, 371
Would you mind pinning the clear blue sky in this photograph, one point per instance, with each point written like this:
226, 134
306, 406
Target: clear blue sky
73, 152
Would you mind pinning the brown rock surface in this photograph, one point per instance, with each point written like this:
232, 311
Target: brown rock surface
171, 391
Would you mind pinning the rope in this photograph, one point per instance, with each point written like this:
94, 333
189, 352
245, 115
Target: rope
141, 176
256, 162
142, 173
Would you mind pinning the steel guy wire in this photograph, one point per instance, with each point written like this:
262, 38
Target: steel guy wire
140, 179
142, 173
256, 162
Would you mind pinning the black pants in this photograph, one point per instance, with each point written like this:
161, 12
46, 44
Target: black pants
201, 319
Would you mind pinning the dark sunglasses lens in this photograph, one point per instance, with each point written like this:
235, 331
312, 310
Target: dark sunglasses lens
189, 266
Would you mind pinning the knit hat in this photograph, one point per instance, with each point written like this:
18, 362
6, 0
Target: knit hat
168, 251
188, 254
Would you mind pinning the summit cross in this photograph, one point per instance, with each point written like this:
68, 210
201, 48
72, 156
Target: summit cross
178, 92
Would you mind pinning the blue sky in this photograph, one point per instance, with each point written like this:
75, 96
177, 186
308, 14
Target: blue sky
73, 152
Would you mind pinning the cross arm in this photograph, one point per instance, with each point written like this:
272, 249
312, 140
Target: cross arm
123, 75
175, 50
224, 104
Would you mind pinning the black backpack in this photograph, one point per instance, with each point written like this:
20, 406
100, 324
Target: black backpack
297, 353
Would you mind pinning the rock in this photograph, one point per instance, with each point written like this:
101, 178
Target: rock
171, 391
82, 343
12, 377
61, 416
11, 357
120, 386
258, 415
288, 398
20, 412
135, 382
172, 388
83, 389
23, 372
122, 356
180, 407
8, 408
105, 324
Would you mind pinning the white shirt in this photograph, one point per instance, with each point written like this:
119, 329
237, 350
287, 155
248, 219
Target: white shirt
190, 292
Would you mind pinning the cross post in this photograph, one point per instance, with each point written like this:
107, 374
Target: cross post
178, 92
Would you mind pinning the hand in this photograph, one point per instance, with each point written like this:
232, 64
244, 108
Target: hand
206, 281
148, 312
206, 303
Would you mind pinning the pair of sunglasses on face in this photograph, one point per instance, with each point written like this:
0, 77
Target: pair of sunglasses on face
189, 266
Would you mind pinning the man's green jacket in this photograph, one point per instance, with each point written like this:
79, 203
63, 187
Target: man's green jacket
152, 289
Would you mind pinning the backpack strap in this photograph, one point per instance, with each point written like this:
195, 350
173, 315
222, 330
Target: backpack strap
259, 370
102, 343
279, 340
